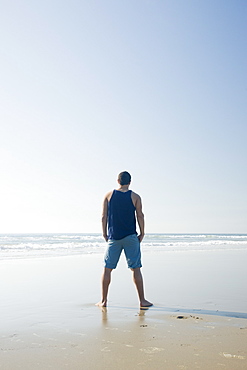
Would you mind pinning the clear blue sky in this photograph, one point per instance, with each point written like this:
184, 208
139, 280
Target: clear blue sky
92, 88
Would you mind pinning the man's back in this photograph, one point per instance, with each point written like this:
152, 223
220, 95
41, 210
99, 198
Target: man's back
121, 215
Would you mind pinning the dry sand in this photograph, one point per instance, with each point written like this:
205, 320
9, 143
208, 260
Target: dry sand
49, 320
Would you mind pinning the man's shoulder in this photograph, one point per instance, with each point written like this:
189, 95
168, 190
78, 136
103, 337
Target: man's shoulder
136, 199
109, 195
135, 195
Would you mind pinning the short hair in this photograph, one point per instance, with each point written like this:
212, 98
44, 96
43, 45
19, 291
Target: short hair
124, 178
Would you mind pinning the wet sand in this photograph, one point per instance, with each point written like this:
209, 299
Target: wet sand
199, 319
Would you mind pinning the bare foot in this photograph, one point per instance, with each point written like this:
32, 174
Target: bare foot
101, 304
145, 303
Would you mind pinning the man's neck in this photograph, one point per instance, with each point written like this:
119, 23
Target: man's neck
123, 188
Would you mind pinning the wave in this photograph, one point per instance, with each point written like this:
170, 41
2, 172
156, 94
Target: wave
51, 245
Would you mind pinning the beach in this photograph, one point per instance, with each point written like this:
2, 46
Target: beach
199, 319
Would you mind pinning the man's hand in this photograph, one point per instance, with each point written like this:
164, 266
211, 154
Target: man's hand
105, 237
140, 237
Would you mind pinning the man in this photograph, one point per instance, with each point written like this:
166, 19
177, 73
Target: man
121, 208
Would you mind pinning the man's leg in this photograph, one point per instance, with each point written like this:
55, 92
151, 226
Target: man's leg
106, 279
138, 280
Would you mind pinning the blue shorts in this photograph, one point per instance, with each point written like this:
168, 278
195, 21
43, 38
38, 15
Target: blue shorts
131, 246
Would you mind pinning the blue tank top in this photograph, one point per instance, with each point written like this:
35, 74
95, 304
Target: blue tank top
121, 215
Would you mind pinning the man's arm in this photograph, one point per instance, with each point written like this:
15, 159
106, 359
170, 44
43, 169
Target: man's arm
104, 218
140, 216
105, 215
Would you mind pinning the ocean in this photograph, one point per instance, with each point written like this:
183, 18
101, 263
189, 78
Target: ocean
15, 246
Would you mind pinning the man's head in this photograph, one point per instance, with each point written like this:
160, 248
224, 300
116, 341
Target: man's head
124, 178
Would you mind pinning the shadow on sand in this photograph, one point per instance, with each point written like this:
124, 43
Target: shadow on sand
192, 311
